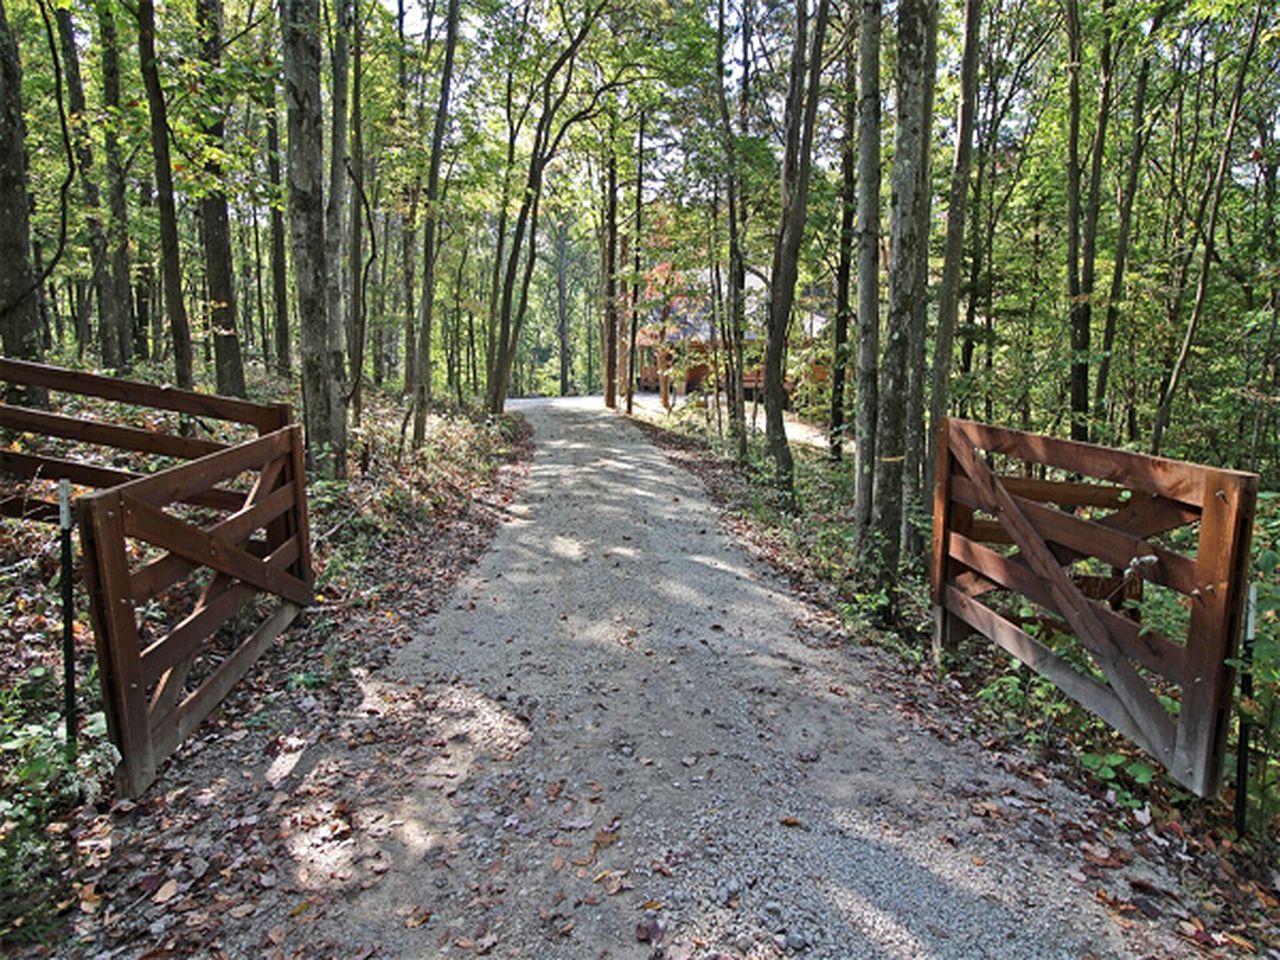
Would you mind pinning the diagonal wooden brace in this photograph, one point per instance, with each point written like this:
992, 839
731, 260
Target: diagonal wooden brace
153, 525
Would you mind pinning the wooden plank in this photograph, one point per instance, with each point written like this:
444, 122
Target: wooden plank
944, 633
174, 728
149, 581
105, 434
156, 527
1084, 690
1087, 538
1169, 478
1138, 700
183, 481
87, 475
1214, 631
1012, 573
263, 416
1066, 493
210, 614
118, 641
301, 522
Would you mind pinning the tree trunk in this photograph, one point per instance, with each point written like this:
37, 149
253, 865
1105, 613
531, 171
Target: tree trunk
1133, 170
336, 200
117, 197
422, 389
19, 314
803, 94
170, 263
844, 262
110, 314
355, 170
635, 279
279, 278
868, 270
953, 252
228, 362
914, 448
323, 412
611, 281
562, 302
905, 286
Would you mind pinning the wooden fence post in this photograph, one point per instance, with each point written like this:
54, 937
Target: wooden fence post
115, 628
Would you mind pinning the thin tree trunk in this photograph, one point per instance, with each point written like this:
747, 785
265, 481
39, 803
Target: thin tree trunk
844, 262
422, 390
170, 264
635, 279
355, 169
868, 271
1133, 170
336, 200
611, 281
803, 94
1224, 162
953, 252
228, 362
279, 278
562, 303
110, 315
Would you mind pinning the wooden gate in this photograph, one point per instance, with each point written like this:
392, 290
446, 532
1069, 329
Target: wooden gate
193, 570
996, 533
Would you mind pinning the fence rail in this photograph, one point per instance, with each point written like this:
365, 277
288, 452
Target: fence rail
1121, 522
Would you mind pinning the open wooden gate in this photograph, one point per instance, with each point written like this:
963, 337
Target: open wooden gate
193, 570
1021, 535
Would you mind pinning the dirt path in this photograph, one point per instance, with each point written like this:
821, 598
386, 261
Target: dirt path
625, 742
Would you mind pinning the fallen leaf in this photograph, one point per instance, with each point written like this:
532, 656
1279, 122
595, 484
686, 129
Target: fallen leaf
167, 891
648, 930
605, 839
557, 864
789, 821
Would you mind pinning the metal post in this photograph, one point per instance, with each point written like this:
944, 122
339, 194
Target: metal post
68, 616
1246, 690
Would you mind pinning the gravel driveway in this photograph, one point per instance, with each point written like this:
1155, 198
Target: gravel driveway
644, 748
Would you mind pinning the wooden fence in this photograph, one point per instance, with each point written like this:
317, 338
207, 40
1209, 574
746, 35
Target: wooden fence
999, 534
193, 548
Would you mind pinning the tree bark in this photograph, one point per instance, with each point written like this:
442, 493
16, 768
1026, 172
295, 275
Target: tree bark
422, 389
323, 411
905, 286
279, 278
868, 270
19, 313
170, 263
219, 273
117, 196
355, 169
953, 252
611, 281
634, 306
844, 261
562, 302
336, 199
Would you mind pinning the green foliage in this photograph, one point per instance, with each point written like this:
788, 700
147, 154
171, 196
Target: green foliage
39, 782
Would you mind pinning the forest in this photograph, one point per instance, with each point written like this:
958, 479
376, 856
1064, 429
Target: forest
1054, 215
1058, 216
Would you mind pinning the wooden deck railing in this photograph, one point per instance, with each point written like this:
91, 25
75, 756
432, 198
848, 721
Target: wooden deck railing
203, 541
979, 514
